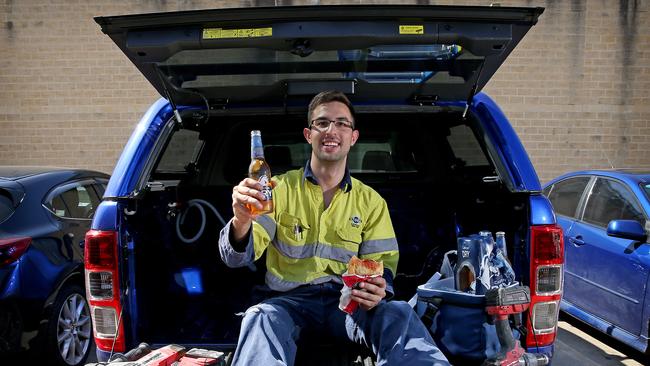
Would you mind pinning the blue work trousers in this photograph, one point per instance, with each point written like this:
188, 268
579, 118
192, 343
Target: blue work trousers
392, 330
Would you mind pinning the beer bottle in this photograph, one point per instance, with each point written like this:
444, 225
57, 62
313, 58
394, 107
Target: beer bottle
501, 243
502, 247
260, 171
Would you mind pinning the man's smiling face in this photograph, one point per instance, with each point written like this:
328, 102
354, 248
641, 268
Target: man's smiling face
334, 143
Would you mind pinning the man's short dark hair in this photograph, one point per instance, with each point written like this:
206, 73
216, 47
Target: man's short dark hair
327, 97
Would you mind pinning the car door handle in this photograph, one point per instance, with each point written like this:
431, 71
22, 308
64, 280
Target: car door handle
577, 240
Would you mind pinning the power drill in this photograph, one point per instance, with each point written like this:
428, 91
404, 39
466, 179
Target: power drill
501, 303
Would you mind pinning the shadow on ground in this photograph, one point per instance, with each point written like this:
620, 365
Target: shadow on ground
572, 350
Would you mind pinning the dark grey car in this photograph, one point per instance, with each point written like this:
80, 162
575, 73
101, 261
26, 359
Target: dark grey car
44, 215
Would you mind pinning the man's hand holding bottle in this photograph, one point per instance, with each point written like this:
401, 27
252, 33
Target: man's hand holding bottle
246, 195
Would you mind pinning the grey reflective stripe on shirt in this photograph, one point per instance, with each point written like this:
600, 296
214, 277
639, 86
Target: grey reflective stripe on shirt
337, 254
378, 246
277, 284
268, 224
324, 251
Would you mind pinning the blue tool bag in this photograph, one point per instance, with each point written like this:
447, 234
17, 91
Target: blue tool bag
457, 321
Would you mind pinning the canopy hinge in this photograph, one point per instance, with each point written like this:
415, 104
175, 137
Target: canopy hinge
472, 91
167, 82
168, 95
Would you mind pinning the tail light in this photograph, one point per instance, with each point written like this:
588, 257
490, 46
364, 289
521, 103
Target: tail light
12, 249
546, 270
102, 289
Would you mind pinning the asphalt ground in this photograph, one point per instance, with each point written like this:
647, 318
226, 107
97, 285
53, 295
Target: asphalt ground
579, 345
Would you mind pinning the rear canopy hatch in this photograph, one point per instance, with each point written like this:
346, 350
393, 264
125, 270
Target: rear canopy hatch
272, 56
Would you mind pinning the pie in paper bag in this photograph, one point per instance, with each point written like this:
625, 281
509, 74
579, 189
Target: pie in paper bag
359, 270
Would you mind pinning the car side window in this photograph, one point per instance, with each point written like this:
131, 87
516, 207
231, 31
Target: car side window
466, 147
611, 200
566, 194
100, 188
183, 149
6, 206
58, 206
94, 199
79, 202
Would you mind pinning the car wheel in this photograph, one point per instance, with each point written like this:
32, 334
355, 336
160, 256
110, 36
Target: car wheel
70, 329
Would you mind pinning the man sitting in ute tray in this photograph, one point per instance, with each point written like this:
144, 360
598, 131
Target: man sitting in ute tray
322, 218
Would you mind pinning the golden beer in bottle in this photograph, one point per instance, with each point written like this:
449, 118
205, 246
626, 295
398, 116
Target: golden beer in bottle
261, 172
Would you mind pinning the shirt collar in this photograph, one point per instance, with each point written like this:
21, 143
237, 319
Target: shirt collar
346, 182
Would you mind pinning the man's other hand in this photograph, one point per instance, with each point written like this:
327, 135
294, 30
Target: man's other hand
370, 293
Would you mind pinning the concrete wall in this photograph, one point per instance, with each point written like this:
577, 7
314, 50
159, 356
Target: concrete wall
576, 89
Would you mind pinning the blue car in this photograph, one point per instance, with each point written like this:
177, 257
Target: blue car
441, 153
44, 216
604, 214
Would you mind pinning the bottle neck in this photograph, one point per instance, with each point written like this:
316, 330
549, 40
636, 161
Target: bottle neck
257, 149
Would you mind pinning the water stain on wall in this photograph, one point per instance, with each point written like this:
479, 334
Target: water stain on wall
628, 17
9, 24
577, 46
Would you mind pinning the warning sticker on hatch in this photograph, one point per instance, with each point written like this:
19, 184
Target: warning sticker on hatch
219, 33
411, 29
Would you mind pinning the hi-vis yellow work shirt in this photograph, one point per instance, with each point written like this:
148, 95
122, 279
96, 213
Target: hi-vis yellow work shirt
308, 244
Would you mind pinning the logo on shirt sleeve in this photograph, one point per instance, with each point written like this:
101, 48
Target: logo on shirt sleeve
355, 221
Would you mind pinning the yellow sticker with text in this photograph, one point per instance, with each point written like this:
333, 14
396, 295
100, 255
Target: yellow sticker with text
411, 29
219, 33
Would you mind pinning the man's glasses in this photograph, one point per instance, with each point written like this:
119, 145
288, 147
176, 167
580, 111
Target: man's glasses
323, 124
